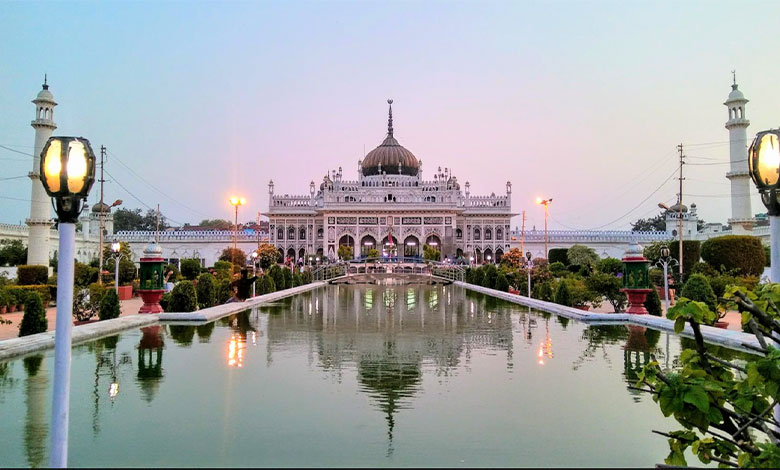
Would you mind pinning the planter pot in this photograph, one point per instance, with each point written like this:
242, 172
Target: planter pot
84, 322
661, 293
583, 307
11, 308
20, 307
125, 292
721, 324
3, 309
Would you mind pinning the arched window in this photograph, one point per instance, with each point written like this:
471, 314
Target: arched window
458, 233
319, 232
280, 233
291, 233
499, 236
477, 234
430, 199
488, 234
302, 233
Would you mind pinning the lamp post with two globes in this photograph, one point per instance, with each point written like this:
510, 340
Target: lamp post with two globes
764, 168
67, 172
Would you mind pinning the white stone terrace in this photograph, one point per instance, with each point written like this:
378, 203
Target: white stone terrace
188, 235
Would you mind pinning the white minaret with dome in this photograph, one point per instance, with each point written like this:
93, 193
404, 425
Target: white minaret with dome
40, 204
741, 220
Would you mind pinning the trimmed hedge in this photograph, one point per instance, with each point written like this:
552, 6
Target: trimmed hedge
742, 254
502, 283
562, 294
698, 288
20, 293
109, 305
691, 253
560, 255
34, 319
223, 291
207, 290
276, 274
265, 285
653, 303
31, 274
184, 298
190, 268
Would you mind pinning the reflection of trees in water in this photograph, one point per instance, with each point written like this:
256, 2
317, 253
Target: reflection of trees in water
106, 365
36, 427
204, 331
389, 333
182, 334
598, 337
150, 350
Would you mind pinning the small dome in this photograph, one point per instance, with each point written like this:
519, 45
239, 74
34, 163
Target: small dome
45, 94
326, 183
152, 250
676, 208
101, 207
735, 94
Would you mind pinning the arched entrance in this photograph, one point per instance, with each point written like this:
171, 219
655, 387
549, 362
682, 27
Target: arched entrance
302, 255
458, 254
367, 244
280, 258
478, 256
499, 255
389, 249
434, 242
291, 253
488, 255
319, 254
411, 247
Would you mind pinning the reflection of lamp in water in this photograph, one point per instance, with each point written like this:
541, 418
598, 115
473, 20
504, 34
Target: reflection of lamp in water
113, 390
545, 347
236, 351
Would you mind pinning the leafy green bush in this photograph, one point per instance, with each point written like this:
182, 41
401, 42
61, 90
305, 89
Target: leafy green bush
490, 276
610, 265
207, 290
543, 291
656, 276
34, 318
84, 274
184, 298
653, 303
288, 278
704, 268
653, 251
176, 276
190, 268
558, 269
109, 305
31, 274
5, 297
267, 255
608, 286
562, 295
296, 280
19, 293
165, 301
502, 283
698, 288
740, 254
265, 285
223, 291
223, 265
12, 253
306, 277
582, 255
431, 253
276, 274
691, 253
82, 309
477, 276
559, 255
96, 294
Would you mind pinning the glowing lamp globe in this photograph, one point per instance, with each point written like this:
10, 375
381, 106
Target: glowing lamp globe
67, 172
764, 167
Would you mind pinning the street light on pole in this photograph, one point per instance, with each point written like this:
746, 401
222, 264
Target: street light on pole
116, 250
546, 204
764, 168
679, 209
67, 172
529, 266
665, 261
236, 201
254, 270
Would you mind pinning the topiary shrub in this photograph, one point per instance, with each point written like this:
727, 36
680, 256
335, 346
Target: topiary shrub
490, 276
704, 268
165, 301
276, 274
223, 291
477, 276
190, 268
206, 290
608, 286
184, 298
653, 303
288, 278
691, 253
31, 274
306, 277
223, 265
502, 283
698, 288
296, 280
176, 276
740, 254
559, 255
543, 291
609, 265
34, 319
109, 305
96, 294
562, 294
84, 274
558, 269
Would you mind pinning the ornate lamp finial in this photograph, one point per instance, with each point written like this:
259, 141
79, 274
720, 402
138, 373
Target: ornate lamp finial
390, 119
45, 79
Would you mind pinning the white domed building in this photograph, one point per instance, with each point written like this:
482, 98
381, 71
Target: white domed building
392, 209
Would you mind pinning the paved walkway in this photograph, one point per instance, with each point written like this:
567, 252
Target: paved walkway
733, 317
127, 307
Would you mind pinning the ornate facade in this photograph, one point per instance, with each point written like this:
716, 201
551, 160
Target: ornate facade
392, 209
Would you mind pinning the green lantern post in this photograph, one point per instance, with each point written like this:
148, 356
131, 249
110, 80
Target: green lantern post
152, 288
636, 279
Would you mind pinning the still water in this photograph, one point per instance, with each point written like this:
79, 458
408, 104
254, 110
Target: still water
351, 376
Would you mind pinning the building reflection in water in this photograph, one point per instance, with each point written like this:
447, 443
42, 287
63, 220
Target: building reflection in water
637, 353
36, 426
150, 354
390, 343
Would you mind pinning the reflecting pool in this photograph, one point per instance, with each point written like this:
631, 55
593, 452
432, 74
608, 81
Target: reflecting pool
351, 376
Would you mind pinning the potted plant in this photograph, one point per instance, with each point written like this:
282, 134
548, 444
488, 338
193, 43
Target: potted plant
4, 300
11, 300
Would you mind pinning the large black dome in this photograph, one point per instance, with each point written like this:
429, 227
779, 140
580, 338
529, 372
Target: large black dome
390, 157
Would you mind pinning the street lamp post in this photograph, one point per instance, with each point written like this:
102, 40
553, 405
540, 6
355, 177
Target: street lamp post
67, 173
254, 270
546, 204
764, 168
236, 201
679, 232
665, 261
529, 266
116, 249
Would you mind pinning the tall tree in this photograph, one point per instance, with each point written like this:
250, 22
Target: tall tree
133, 219
219, 224
653, 224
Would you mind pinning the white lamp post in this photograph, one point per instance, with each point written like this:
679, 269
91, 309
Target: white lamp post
116, 249
254, 270
665, 261
530, 266
67, 172
546, 204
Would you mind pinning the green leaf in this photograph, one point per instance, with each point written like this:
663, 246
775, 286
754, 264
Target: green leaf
697, 397
676, 459
679, 325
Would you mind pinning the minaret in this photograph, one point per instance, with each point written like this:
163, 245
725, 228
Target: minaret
40, 203
741, 220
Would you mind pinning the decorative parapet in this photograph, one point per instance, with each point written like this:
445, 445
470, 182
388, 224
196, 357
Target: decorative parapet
488, 201
13, 229
584, 236
188, 235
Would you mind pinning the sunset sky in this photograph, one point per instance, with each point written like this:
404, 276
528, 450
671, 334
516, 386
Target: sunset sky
584, 102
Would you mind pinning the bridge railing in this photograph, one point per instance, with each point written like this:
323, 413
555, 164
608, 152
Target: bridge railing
331, 271
448, 271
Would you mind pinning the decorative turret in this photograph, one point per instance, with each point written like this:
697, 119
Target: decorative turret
741, 220
271, 187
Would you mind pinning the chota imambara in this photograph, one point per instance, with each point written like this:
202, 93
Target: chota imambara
389, 208
392, 209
